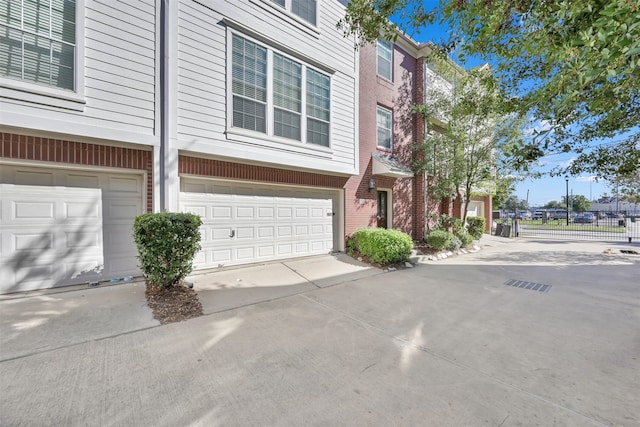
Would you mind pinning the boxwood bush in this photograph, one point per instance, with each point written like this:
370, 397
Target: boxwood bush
439, 239
382, 245
167, 243
465, 239
476, 226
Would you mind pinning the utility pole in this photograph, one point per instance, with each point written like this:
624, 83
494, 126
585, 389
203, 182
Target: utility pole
566, 197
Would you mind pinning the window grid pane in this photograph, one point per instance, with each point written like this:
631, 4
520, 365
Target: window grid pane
385, 55
318, 108
305, 9
37, 41
249, 85
384, 127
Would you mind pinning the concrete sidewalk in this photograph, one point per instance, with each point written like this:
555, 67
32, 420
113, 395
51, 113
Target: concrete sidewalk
40, 321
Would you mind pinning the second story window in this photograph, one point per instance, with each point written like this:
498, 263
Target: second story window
276, 95
384, 125
305, 9
385, 56
287, 97
249, 87
38, 41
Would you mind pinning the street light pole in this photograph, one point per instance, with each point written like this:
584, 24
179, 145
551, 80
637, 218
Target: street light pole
566, 197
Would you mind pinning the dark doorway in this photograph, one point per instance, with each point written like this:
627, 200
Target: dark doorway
383, 220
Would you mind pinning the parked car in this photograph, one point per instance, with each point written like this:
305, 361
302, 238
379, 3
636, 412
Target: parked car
540, 215
585, 218
524, 215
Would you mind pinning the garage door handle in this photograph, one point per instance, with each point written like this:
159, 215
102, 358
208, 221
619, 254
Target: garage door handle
233, 233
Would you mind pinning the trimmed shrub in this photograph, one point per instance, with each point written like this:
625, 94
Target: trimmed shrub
439, 239
465, 238
455, 244
446, 222
167, 243
381, 245
476, 226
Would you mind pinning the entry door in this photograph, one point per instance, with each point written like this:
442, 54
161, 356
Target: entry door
383, 220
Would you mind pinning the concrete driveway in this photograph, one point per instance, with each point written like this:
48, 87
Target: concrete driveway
446, 343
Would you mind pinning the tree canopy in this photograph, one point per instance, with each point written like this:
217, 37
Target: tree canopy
466, 128
573, 66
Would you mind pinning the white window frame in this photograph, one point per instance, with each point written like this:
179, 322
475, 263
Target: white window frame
381, 109
384, 45
250, 135
288, 6
23, 90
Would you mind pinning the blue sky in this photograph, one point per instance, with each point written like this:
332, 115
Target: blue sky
536, 191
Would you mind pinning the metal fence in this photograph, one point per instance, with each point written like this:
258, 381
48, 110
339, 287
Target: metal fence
610, 227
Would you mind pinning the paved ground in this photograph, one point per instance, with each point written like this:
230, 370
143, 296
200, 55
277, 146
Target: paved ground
443, 344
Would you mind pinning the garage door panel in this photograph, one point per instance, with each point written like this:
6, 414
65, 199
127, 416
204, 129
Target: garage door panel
82, 210
124, 184
27, 210
26, 177
82, 180
244, 233
221, 212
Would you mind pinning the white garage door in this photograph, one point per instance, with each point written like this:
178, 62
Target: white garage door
244, 223
62, 227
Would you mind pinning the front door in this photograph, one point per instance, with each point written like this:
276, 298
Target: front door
382, 210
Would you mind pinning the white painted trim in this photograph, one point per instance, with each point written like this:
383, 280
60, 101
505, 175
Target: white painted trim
35, 93
300, 23
389, 205
80, 130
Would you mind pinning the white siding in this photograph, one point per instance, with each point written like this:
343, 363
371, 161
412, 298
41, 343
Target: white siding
201, 82
120, 78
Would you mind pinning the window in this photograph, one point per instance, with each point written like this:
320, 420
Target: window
249, 85
287, 97
385, 54
384, 128
276, 95
38, 41
305, 9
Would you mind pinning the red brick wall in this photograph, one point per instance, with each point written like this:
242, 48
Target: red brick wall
398, 96
221, 169
25, 147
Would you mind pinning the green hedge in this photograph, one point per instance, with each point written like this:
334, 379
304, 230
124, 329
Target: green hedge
465, 239
439, 239
381, 245
167, 243
476, 226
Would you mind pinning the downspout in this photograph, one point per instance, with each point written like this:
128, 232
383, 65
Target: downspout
164, 90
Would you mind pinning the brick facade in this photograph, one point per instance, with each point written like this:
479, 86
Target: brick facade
237, 171
72, 153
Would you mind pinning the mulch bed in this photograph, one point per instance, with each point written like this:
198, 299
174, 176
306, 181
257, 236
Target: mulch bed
173, 304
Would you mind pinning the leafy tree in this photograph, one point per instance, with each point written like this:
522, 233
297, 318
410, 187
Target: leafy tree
513, 204
505, 185
572, 65
554, 204
466, 130
578, 203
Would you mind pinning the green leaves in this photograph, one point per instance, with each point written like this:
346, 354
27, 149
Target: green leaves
167, 243
574, 63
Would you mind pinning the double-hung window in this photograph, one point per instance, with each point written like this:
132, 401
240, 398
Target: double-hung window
278, 95
249, 85
305, 9
385, 55
38, 42
384, 124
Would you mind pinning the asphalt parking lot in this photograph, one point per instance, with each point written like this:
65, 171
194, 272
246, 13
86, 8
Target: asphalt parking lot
445, 343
